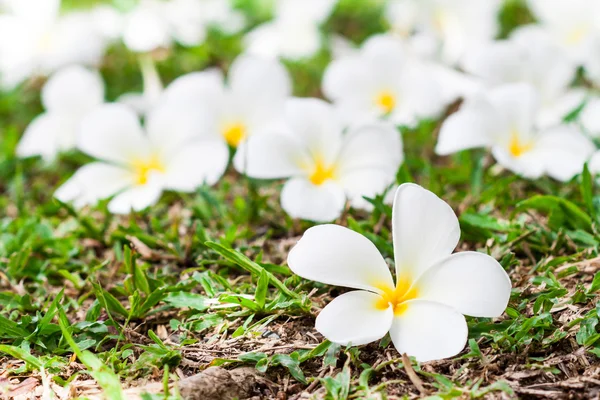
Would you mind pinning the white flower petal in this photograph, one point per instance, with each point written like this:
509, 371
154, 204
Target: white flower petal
353, 319
271, 156
425, 230
136, 198
47, 135
302, 199
429, 331
113, 132
93, 182
146, 28
195, 89
368, 182
197, 163
315, 123
259, 81
529, 165
73, 90
376, 145
472, 283
517, 105
170, 127
468, 128
338, 256
563, 151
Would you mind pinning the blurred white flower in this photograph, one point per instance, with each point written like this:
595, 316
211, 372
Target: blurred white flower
444, 29
144, 102
108, 22
379, 80
572, 24
155, 24
251, 101
67, 96
530, 58
35, 39
293, 33
504, 119
325, 166
423, 310
135, 165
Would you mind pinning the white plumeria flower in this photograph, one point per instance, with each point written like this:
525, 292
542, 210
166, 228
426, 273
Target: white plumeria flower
155, 24
382, 80
504, 120
250, 101
446, 29
325, 166
35, 39
293, 33
136, 164
423, 309
67, 96
531, 58
573, 24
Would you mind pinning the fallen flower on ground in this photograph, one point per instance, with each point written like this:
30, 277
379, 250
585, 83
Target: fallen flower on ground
504, 119
381, 80
67, 96
423, 310
135, 165
325, 165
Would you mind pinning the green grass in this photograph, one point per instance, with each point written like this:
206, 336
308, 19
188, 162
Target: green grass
200, 279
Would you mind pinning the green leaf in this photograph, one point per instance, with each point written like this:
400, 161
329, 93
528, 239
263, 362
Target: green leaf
11, 330
187, 300
140, 281
250, 266
106, 378
587, 184
562, 212
595, 286
21, 354
292, 364
108, 301
262, 286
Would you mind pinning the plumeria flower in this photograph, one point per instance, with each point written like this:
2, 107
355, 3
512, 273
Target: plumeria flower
250, 101
67, 96
325, 166
381, 80
531, 58
135, 165
573, 24
445, 29
156, 24
422, 310
504, 119
293, 33
35, 39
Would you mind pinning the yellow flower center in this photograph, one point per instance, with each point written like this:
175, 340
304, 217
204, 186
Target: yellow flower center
143, 168
321, 173
397, 297
576, 35
386, 101
234, 133
516, 147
